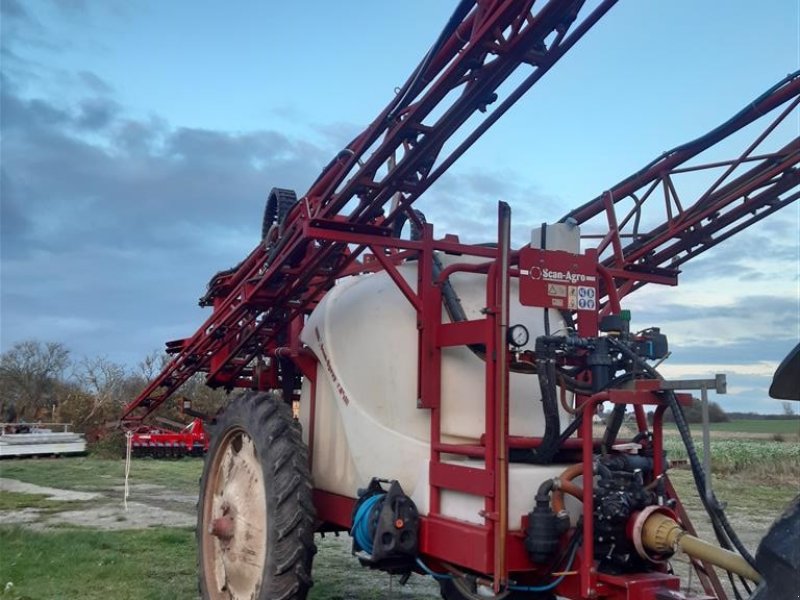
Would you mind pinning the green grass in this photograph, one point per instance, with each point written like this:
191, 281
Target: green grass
760, 426
743, 495
768, 426
77, 563
91, 474
87, 564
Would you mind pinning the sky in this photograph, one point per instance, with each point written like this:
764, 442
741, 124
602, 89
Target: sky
139, 141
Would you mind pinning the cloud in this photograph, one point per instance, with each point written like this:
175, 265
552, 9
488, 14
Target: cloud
111, 224
466, 204
13, 10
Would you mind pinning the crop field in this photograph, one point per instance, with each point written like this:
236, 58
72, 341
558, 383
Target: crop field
780, 429
763, 459
65, 534
773, 426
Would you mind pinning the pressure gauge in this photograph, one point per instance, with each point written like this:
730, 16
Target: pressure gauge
518, 335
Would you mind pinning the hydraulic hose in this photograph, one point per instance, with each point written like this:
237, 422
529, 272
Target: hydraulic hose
613, 427
546, 370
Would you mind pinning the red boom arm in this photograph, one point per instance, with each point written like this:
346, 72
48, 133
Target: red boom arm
753, 184
395, 159
373, 182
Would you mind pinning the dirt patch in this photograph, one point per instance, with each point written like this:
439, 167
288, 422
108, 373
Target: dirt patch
153, 506
12, 485
113, 516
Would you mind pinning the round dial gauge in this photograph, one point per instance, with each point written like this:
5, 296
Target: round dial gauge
518, 335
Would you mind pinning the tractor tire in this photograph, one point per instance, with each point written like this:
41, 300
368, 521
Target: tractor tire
255, 518
279, 202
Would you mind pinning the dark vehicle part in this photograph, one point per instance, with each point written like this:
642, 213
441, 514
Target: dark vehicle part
786, 381
778, 557
279, 203
386, 528
618, 496
255, 518
545, 527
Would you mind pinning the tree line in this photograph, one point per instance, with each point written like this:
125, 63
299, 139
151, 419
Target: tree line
42, 381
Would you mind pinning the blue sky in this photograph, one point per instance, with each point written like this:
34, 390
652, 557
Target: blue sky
139, 141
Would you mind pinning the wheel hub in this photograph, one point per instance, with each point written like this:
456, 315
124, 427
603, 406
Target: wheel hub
235, 540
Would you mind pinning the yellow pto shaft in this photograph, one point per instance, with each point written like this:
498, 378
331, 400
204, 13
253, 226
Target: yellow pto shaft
663, 535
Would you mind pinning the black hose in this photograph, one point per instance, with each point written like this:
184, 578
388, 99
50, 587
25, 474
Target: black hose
546, 370
713, 508
570, 429
412, 87
613, 427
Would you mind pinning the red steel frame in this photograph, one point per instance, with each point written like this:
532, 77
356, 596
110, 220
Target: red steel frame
259, 307
490, 548
394, 160
754, 183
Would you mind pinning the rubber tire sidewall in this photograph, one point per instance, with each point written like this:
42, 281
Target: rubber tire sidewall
279, 446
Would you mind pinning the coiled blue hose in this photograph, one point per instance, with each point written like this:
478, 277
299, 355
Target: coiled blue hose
361, 522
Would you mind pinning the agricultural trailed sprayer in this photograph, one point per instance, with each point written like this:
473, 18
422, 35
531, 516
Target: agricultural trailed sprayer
447, 391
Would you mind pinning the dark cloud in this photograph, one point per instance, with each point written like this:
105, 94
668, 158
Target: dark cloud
13, 222
742, 332
71, 6
13, 10
338, 134
111, 225
94, 83
741, 352
740, 257
466, 203
759, 306
96, 113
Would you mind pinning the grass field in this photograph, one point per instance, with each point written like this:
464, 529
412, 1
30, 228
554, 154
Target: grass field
787, 426
89, 564
89, 474
759, 459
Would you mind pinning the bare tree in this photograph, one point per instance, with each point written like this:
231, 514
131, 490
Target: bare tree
152, 364
788, 408
104, 382
30, 374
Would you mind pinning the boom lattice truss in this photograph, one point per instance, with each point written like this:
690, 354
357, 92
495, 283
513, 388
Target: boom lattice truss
373, 182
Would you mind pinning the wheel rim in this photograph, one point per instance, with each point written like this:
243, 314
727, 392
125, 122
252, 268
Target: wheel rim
234, 520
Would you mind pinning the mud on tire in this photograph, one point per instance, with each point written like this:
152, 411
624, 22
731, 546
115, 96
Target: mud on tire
255, 522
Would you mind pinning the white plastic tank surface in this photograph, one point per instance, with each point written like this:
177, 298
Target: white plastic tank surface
364, 334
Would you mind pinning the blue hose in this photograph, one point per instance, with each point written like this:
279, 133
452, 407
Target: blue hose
361, 523
434, 574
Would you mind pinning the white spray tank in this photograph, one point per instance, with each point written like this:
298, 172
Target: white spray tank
367, 424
